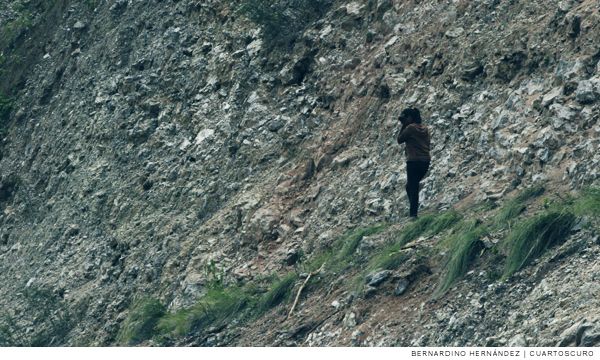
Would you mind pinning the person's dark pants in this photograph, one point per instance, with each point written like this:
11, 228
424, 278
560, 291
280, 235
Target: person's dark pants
415, 171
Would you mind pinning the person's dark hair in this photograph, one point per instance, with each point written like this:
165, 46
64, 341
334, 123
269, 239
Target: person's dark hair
414, 114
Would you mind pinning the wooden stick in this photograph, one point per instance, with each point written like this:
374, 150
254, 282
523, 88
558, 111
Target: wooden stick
302, 287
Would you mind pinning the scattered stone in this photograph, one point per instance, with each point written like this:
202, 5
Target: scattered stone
349, 319
454, 33
401, 287
517, 341
369, 291
590, 338
551, 96
377, 277
79, 25
275, 125
585, 92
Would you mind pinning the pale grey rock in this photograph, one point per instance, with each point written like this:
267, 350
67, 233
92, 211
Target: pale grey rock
543, 154
564, 5
548, 138
377, 277
551, 96
79, 25
585, 92
254, 47
562, 112
349, 320
517, 341
455, 33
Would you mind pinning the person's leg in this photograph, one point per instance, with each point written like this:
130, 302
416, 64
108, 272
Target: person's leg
407, 187
412, 186
418, 169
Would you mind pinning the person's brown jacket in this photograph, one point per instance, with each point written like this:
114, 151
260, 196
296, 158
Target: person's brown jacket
418, 140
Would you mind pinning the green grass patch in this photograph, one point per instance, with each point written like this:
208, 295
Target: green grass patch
485, 206
343, 250
464, 226
588, 203
467, 246
221, 305
141, 322
279, 292
532, 236
350, 242
216, 308
388, 259
428, 225
515, 206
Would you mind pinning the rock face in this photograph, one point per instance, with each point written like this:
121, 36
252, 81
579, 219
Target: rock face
150, 139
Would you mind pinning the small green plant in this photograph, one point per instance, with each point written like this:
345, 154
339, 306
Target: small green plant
493, 276
388, 259
213, 278
545, 203
485, 206
351, 242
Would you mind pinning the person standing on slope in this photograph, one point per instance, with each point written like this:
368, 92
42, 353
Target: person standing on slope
418, 140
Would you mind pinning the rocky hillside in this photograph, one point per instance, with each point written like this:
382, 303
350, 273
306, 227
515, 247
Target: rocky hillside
172, 171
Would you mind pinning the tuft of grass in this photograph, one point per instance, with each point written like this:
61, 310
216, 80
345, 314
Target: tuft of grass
461, 227
467, 245
588, 203
529, 193
430, 224
532, 236
516, 206
351, 241
141, 322
216, 308
388, 259
221, 305
279, 292
485, 206
343, 250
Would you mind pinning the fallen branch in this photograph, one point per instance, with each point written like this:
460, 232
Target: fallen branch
302, 287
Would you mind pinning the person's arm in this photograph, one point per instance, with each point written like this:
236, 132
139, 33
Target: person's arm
403, 135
